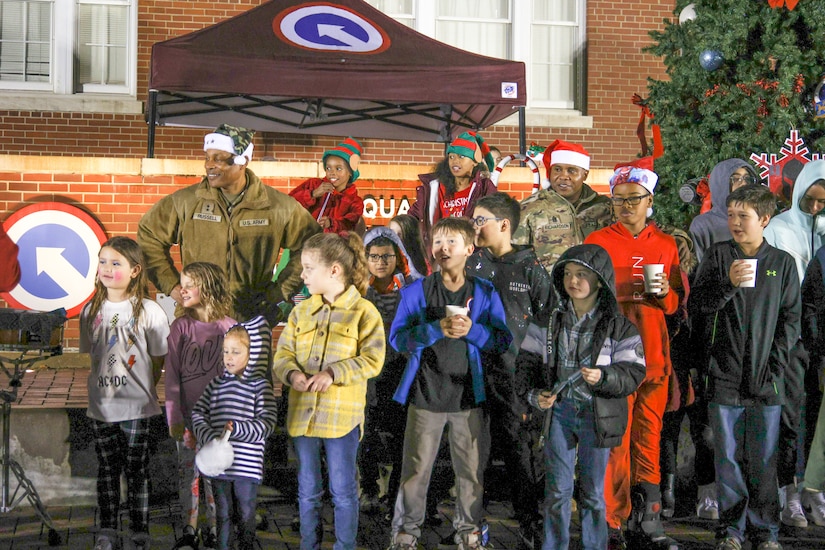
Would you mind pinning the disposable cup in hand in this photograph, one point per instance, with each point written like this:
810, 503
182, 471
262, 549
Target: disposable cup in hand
456, 310
751, 263
652, 285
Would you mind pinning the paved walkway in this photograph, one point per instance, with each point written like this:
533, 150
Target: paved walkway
76, 526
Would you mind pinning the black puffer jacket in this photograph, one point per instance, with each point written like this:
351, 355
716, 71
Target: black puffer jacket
617, 348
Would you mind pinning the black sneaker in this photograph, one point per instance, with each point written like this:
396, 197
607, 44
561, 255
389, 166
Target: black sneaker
210, 539
615, 539
188, 541
448, 542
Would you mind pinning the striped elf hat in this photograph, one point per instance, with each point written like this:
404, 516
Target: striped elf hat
472, 145
350, 150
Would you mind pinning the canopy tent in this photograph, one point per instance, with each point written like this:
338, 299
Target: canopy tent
334, 68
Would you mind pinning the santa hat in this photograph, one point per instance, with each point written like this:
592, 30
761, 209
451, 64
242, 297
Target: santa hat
472, 145
639, 171
562, 152
231, 139
350, 150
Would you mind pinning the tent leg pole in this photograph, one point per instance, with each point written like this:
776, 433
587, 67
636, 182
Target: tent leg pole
152, 115
522, 131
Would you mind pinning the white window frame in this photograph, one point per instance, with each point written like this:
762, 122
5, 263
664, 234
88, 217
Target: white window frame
62, 84
541, 113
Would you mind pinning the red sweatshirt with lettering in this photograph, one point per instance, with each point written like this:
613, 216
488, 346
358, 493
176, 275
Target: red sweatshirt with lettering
647, 312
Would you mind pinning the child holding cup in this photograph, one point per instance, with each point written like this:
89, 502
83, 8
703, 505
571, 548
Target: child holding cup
634, 242
754, 330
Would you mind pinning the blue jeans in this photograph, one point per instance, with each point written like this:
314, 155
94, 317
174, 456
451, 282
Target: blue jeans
748, 490
235, 500
572, 432
343, 484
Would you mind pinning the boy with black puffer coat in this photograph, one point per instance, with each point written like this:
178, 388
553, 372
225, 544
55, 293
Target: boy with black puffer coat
526, 292
391, 269
580, 368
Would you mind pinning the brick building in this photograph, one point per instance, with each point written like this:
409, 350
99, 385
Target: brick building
73, 127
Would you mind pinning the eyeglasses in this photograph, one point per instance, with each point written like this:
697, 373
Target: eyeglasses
382, 257
478, 221
635, 200
736, 179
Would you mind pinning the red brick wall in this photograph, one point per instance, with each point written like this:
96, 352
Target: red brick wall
617, 68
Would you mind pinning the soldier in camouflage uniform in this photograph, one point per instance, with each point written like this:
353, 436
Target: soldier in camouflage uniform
555, 219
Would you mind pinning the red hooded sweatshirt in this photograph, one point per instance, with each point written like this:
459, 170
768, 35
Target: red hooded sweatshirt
343, 208
629, 254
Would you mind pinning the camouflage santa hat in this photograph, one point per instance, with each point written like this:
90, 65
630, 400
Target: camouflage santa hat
232, 139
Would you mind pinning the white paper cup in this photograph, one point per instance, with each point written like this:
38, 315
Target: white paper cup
751, 262
456, 310
652, 286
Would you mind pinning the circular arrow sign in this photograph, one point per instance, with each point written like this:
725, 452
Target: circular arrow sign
59, 244
321, 26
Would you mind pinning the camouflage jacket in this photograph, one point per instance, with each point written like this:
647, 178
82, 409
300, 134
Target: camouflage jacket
549, 223
593, 211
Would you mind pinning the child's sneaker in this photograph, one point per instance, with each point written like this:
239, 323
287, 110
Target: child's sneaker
813, 502
707, 505
141, 541
187, 541
403, 541
729, 543
792, 514
210, 539
107, 539
471, 541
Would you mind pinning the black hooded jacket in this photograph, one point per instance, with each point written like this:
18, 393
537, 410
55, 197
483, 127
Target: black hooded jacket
616, 348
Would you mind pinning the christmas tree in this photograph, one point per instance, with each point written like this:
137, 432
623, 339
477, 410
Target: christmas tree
742, 76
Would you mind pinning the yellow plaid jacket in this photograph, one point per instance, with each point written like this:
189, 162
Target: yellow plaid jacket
346, 337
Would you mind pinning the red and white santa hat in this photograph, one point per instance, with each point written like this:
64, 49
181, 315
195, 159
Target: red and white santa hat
563, 152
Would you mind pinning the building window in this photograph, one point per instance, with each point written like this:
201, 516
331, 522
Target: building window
97, 53
549, 37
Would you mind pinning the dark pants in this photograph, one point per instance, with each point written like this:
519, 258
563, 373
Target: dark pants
123, 447
700, 433
791, 459
235, 503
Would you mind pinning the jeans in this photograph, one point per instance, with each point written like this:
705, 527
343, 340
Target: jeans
573, 432
343, 484
235, 500
747, 488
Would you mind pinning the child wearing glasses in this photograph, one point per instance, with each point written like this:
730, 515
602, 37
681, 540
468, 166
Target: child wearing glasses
391, 269
799, 231
333, 201
633, 471
712, 226
526, 292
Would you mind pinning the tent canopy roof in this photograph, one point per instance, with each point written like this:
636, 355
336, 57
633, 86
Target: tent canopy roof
333, 68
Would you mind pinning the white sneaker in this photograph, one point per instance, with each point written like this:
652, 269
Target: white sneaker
707, 505
792, 513
813, 502
103, 543
471, 541
404, 541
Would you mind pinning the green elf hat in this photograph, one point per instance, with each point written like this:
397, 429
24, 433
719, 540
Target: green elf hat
350, 150
231, 139
472, 145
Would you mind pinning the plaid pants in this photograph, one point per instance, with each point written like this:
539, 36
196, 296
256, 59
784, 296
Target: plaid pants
123, 447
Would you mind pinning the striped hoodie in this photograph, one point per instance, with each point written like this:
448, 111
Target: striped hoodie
247, 401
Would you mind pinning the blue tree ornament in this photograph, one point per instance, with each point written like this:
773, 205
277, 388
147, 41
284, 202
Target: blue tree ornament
710, 60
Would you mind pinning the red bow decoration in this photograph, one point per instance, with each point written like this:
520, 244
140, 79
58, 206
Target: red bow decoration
658, 148
790, 4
